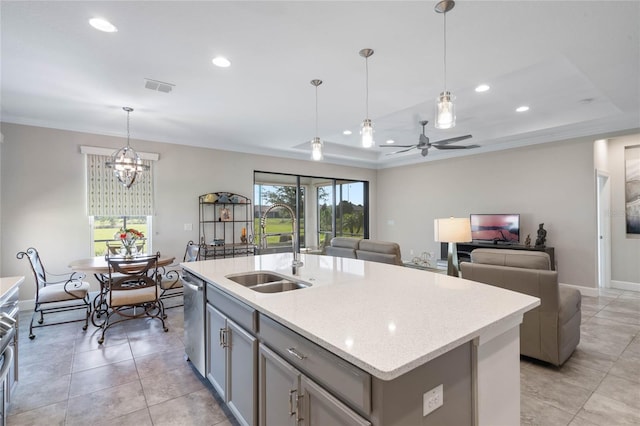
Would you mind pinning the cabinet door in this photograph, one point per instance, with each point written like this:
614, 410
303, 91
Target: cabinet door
243, 374
278, 390
320, 408
217, 354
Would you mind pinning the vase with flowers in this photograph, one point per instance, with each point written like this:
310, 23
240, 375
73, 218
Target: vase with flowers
128, 238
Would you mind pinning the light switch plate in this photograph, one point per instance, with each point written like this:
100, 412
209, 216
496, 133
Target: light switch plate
432, 400
188, 227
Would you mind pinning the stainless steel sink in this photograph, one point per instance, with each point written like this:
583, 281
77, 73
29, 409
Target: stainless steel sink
267, 282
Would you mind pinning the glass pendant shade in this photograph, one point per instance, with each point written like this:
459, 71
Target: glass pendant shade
445, 111
367, 133
316, 149
125, 162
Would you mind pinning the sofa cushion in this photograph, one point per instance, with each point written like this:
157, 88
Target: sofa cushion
344, 242
377, 257
515, 258
340, 252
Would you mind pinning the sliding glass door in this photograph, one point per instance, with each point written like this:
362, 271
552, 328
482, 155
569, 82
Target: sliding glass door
326, 207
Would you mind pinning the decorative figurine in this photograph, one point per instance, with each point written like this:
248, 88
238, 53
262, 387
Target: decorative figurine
527, 241
542, 236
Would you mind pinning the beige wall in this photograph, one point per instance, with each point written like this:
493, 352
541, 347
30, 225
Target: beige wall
551, 183
625, 249
43, 203
42, 200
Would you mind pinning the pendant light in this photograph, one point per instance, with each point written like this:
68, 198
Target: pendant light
367, 125
445, 108
316, 143
125, 162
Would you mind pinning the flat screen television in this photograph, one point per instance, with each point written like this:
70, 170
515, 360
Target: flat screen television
495, 227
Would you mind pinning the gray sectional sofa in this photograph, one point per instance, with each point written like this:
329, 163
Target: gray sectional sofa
365, 249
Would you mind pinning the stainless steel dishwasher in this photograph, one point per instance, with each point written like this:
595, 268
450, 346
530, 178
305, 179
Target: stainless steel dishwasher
194, 339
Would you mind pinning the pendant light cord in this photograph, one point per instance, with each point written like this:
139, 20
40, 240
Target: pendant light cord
316, 111
366, 67
445, 51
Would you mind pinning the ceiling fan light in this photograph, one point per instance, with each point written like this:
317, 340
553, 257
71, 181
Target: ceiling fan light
316, 149
367, 133
445, 111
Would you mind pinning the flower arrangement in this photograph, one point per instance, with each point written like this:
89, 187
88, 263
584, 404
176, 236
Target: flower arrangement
129, 234
128, 238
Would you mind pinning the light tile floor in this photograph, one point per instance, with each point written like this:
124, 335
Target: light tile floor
139, 375
600, 383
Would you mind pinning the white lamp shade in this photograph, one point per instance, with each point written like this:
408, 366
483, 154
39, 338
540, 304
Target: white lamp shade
452, 230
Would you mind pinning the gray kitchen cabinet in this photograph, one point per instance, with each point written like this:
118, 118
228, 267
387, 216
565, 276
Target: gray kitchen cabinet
231, 365
289, 397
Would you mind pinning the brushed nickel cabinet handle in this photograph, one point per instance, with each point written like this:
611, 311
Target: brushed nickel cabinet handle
297, 354
292, 410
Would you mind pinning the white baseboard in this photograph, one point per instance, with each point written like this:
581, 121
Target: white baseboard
625, 285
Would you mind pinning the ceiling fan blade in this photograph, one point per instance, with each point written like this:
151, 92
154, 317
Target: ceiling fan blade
451, 140
397, 146
402, 150
450, 147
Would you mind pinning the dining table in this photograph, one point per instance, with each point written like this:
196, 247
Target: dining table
99, 267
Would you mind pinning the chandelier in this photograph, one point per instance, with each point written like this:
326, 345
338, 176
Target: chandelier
125, 162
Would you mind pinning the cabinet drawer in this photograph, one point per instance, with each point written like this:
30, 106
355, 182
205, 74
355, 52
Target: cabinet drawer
344, 380
239, 312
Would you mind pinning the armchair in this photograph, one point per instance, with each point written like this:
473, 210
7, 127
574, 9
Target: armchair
550, 332
56, 292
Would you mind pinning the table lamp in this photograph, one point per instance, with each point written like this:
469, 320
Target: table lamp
452, 230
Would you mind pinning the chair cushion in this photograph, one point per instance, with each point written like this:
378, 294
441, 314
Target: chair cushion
133, 297
515, 258
166, 284
56, 293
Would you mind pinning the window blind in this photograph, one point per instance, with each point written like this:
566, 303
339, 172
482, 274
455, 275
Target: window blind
106, 196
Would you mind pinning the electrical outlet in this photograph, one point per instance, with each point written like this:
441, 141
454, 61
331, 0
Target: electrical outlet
432, 400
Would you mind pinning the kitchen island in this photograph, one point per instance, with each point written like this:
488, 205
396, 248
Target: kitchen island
395, 334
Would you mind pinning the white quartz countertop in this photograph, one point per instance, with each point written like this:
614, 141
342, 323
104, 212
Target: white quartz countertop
384, 319
7, 284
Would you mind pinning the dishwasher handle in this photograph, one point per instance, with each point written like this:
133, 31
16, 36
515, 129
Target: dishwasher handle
196, 285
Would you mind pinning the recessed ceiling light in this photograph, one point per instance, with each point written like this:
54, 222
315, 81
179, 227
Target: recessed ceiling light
482, 88
347, 132
102, 25
522, 108
221, 61
390, 141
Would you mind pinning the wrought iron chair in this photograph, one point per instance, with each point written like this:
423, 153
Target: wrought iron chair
134, 291
171, 283
56, 292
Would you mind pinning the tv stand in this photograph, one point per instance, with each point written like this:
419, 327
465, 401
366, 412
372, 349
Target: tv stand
465, 249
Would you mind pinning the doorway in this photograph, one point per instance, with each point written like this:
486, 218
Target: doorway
603, 199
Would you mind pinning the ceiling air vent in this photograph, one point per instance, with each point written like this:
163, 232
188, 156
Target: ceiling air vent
159, 86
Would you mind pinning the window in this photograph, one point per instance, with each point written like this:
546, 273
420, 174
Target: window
104, 228
334, 207
111, 206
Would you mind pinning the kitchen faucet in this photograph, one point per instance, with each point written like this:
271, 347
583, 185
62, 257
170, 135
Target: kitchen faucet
296, 263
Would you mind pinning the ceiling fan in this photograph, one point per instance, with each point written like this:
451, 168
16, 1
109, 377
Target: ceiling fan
423, 144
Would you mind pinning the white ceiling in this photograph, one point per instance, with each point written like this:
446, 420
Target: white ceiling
575, 63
